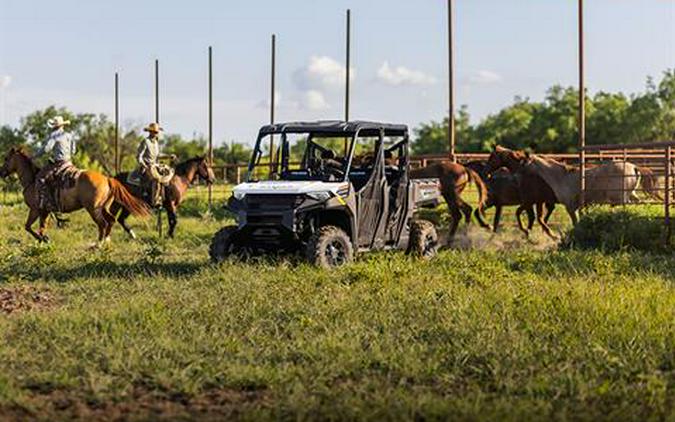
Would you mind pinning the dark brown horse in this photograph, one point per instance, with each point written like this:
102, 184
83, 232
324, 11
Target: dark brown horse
504, 190
174, 193
454, 178
534, 191
92, 191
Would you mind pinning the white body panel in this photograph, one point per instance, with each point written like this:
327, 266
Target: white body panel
288, 187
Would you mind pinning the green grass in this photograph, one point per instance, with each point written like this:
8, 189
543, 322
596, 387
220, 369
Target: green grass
151, 328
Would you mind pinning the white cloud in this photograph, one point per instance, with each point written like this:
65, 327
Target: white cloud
484, 77
5, 81
265, 104
321, 72
314, 100
401, 75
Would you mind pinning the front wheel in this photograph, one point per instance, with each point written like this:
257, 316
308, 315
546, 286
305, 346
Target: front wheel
222, 244
330, 247
423, 239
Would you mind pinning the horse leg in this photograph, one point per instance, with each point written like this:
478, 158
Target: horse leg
467, 210
33, 215
173, 220
122, 219
572, 213
43, 226
550, 207
100, 221
498, 217
110, 219
542, 221
530, 217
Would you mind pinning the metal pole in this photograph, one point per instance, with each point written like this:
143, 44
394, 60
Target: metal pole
157, 91
210, 121
272, 96
582, 109
159, 211
451, 81
117, 123
348, 63
666, 200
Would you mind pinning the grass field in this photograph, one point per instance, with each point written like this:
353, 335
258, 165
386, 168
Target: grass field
509, 329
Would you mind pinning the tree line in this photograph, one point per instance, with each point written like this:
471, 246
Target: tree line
550, 125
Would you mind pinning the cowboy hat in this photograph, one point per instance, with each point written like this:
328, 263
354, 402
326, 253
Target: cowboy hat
57, 121
153, 127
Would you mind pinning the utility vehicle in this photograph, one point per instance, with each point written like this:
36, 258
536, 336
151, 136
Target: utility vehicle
331, 190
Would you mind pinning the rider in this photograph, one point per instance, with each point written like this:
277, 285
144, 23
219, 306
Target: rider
60, 145
148, 157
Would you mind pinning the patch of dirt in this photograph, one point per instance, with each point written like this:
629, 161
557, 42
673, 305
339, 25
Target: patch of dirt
24, 298
212, 405
472, 237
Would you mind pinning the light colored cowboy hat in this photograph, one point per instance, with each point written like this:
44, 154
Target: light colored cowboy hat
57, 121
153, 127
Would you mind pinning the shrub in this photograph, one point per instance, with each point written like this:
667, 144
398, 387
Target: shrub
620, 228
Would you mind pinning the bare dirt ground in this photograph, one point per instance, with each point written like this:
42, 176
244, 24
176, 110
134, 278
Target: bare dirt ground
24, 298
220, 404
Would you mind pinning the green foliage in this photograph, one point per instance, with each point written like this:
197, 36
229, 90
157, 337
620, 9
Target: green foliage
619, 228
551, 125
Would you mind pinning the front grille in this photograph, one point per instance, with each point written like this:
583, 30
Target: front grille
265, 220
266, 201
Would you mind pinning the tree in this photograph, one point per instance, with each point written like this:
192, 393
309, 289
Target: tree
432, 137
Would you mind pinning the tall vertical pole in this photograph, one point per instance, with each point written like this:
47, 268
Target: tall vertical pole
159, 212
451, 81
210, 121
157, 91
117, 123
273, 72
582, 108
348, 62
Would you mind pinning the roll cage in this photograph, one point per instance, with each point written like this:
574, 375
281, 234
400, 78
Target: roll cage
342, 167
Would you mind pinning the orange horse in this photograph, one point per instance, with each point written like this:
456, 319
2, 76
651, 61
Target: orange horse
92, 191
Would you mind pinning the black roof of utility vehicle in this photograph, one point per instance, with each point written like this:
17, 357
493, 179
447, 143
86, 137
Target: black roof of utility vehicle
337, 128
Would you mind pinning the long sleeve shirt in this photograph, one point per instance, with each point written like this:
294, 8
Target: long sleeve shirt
148, 152
60, 145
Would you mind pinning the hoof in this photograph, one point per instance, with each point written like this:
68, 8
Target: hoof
132, 235
45, 239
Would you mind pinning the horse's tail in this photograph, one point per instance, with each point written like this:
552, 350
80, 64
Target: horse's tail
650, 182
127, 200
480, 185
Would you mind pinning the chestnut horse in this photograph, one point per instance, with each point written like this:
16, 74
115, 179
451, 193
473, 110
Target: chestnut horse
533, 189
92, 191
174, 193
504, 190
454, 178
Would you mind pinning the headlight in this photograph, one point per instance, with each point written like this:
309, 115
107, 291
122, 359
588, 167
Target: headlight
319, 196
238, 195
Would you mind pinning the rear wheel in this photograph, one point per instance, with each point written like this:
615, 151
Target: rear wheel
423, 241
330, 247
222, 244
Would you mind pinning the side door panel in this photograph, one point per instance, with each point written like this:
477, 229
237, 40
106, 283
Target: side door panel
373, 204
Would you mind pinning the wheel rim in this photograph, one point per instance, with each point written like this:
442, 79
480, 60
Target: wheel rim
335, 253
429, 245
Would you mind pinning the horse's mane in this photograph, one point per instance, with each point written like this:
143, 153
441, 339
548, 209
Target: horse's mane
26, 158
182, 168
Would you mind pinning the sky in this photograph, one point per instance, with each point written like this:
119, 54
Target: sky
65, 53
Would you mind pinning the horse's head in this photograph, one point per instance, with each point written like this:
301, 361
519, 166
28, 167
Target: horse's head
11, 162
504, 157
205, 171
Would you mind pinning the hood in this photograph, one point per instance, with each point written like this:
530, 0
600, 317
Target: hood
286, 187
